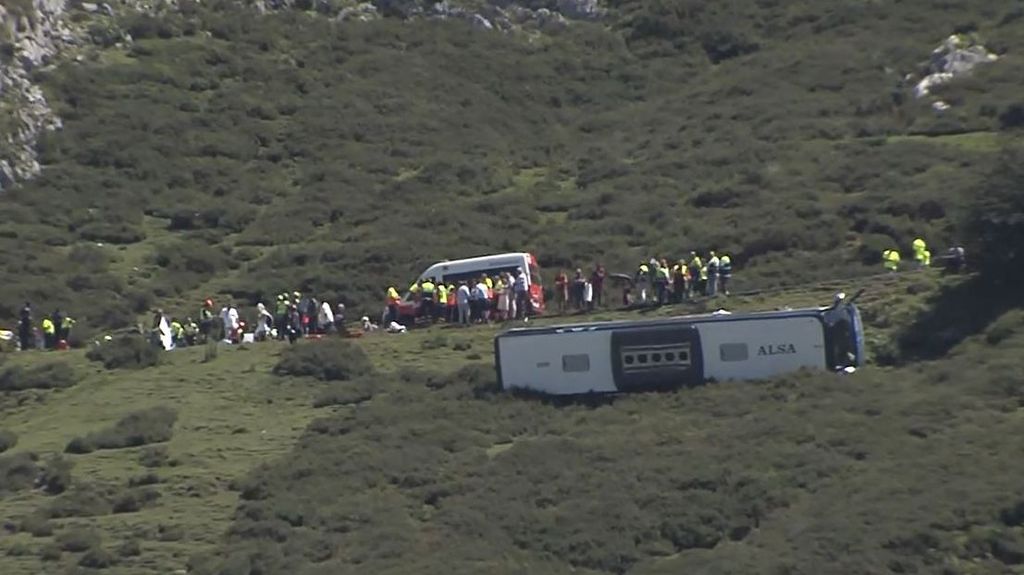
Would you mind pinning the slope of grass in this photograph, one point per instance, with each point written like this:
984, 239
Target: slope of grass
423, 465
236, 155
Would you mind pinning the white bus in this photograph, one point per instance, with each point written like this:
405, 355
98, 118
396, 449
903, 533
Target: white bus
470, 270
609, 357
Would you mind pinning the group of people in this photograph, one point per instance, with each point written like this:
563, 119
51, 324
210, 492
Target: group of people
294, 317
661, 282
503, 296
54, 329
954, 260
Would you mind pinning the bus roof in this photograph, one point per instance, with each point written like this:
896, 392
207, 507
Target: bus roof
674, 320
480, 259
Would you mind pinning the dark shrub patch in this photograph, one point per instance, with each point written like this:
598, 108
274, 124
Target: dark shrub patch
18, 471
130, 548
47, 376
78, 539
155, 457
37, 526
329, 360
345, 393
7, 440
125, 352
56, 475
97, 558
152, 425
50, 552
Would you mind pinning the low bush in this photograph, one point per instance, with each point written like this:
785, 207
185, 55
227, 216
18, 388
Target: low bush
37, 526
78, 539
18, 471
129, 548
56, 475
154, 457
329, 360
53, 375
50, 552
96, 558
346, 393
125, 352
153, 425
8, 439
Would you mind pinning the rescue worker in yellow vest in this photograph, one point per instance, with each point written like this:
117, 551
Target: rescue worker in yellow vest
191, 331
712, 267
64, 329
922, 256
392, 300
49, 333
442, 300
725, 272
696, 265
177, 333
427, 293
662, 281
704, 276
891, 260
643, 281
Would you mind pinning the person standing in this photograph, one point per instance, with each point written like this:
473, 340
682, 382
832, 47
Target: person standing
579, 284
597, 282
49, 333
522, 293
339, 318
561, 290
643, 281
264, 321
462, 299
325, 319
392, 301
25, 328
293, 324
713, 262
696, 265
481, 298
725, 273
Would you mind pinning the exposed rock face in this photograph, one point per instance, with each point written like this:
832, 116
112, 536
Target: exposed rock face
956, 56
32, 41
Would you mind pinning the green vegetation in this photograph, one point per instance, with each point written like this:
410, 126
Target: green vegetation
125, 352
153, 425
331, 360
230, 155
8, 439
52, 375
235, 155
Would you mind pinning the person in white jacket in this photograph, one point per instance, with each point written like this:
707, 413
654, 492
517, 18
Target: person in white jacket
326, 318
264, 321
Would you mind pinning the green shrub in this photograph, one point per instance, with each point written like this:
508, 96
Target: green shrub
18, 471
125, 352
435, 341
152, 425
19, 550
347, 393
50, 552
53, 375
154, 457
56, 475
37, 526
97, 558
130, 548
78, 539
8, 439
329, 360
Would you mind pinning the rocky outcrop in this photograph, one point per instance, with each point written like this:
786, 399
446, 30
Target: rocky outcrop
29, 41
958, 55
34, 33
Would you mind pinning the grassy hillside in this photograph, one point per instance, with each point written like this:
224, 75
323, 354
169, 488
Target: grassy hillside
414, 462
229, 153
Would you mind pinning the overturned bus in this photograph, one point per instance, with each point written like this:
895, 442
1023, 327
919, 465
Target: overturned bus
659, 354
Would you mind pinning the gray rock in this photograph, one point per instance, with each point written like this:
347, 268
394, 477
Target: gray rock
956, 56
580, 9
90, 7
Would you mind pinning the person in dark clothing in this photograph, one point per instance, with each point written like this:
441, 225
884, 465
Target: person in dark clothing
597, 281
312, 314
58, 322
25, 328
293, 326
579, 285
